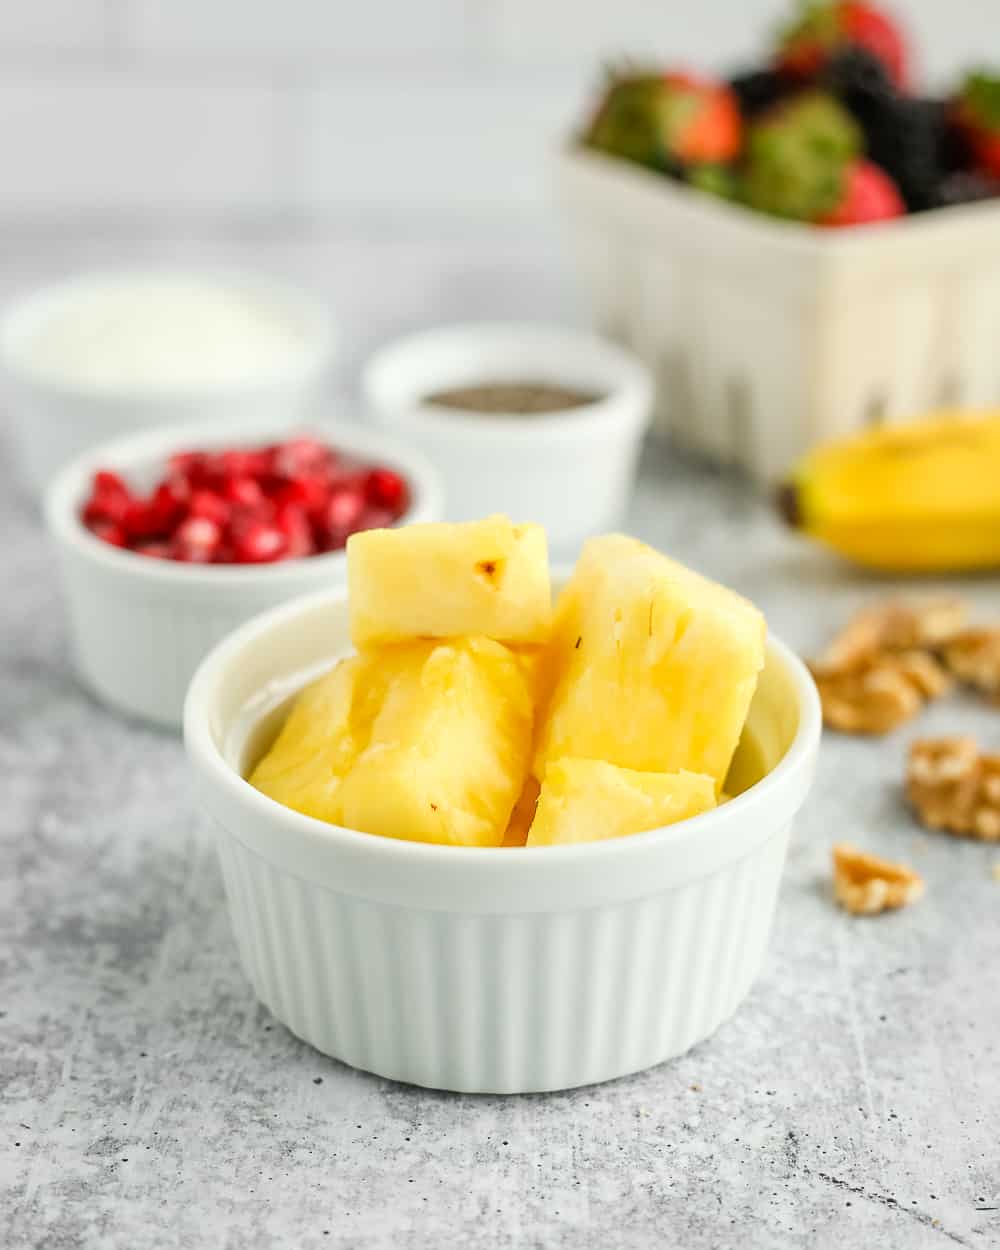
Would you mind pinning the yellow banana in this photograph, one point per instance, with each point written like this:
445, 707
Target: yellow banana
917, 497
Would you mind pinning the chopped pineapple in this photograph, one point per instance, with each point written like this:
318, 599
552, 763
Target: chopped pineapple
328, 726
651, 666
588, 800
488, 578
522, 815
426, 740
449, 748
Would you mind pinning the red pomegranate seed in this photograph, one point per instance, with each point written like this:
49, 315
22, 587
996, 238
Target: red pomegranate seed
376, 519
294, 524
241, 462
340, 518
259, 544
169, 501
108, 483
140, 521
206, 503
308, 492
196, 539
242, 490
386, 489
155, 551
297, 456
108, 532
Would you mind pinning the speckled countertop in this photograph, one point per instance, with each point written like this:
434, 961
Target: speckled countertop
147, 1100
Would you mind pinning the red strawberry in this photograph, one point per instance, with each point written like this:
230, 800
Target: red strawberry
869, 194
699, 120
977, 112
825, 27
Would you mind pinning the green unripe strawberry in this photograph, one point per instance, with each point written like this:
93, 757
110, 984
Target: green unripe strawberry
797, 156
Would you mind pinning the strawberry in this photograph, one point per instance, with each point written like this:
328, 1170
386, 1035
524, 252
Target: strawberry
825, 27
796, 157
977, 114
699, 120
868, 194
668, 120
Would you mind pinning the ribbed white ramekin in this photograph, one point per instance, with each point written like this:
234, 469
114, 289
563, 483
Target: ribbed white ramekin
507, 970
141, 626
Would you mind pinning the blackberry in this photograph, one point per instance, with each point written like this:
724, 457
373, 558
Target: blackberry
854, 73
759, 89
966, 187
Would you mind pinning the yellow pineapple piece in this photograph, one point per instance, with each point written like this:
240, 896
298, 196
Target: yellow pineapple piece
522, 815
485, 578
449, 748
651, 666
426, 740
328, 726
589, 800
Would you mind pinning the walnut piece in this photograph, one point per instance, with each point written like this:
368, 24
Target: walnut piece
864, 885
974, 657
954, 787
873, 697
894, 626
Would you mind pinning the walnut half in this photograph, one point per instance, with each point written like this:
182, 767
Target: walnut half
865, 885
879, 693
974, 657
954, 787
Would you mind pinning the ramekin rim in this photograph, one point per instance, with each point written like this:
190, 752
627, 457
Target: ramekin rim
63, 495
205, 754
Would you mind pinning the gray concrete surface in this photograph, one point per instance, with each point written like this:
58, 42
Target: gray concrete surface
147, 1100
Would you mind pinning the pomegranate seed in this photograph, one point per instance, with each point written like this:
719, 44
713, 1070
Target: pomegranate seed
294, 524
386, 489
140, 521
343, 510
376, 519
308, 492
168, 503
108, 532
196, 539
155, 551
297, 456
259, 544
243, 463
206, 503
108, 483
242, 490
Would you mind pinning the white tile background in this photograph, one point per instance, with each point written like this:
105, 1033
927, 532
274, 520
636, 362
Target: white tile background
395, 115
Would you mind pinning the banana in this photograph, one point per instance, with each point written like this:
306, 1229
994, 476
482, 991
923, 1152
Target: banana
917, 497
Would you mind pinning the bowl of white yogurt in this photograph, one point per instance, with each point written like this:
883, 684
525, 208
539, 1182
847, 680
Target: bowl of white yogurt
103, 354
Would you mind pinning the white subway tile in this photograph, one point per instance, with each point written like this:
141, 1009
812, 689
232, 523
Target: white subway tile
381, 29
52, 25
93, 142
448, 146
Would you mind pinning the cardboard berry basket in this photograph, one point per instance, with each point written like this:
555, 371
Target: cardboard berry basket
766, 337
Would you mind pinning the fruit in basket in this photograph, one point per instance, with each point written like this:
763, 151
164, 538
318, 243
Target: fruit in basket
916, 497
821, 29
586, 800
427, 740
977, 113
868, 194
907, 136
668, 121
651, 666
758, 90
798, 156
488, 577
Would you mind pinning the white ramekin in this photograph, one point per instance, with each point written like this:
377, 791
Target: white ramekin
506, 970
54, 420
140, 626
571, 471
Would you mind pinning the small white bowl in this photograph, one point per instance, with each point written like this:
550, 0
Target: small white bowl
506, 970
55, 418
139, 625
572, 471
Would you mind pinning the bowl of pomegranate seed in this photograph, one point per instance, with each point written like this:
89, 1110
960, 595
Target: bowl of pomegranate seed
102, 354
169, 539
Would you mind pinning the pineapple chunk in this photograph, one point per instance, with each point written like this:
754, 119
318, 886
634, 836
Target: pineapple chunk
426, 740
328, 726
588, 800
485, 578
651, 666
522, 815
449, 748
